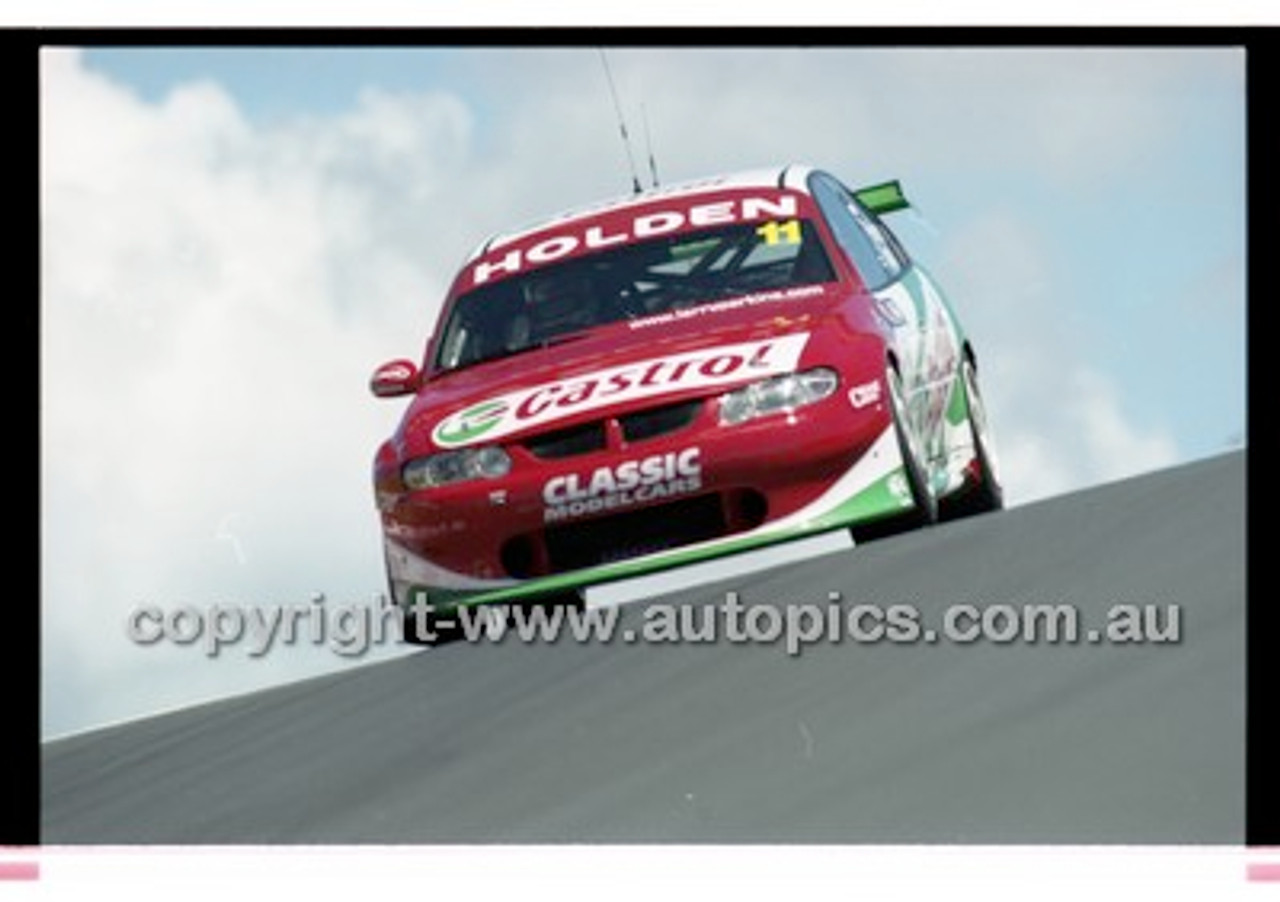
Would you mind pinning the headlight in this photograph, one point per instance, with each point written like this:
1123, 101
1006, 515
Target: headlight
777, 394
456, 466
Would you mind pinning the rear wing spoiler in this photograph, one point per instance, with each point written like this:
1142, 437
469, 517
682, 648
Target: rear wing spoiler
887, 197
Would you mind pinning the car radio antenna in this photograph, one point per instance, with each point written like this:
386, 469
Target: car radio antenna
622, 124
648, 146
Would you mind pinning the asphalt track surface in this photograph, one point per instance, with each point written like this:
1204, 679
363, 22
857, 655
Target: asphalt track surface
848, 742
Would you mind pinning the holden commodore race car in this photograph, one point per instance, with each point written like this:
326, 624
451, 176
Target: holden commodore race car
687, 372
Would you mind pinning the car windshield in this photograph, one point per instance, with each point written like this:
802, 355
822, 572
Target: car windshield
556, 302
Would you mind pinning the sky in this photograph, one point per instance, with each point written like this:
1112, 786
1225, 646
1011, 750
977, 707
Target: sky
232, 239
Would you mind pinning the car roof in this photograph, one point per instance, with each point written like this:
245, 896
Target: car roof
793, 176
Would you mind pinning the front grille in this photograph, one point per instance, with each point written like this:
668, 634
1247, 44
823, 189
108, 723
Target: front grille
622, 536
658, 421
602, 540
635, 427
568, 442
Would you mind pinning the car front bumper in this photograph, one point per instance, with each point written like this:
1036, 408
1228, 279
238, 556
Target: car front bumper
708, 490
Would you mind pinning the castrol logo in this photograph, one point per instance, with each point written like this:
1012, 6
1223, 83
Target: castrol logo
495, 418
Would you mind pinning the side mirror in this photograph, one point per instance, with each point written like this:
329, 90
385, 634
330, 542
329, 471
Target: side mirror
396, 378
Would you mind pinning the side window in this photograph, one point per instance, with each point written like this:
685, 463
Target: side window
898, 250
886, 246
870, 247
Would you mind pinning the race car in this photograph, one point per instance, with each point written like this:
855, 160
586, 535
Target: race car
687, 372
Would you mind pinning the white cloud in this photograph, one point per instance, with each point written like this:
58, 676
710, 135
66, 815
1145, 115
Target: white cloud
1060, 431
1072, 115
1115, 448
214, 299
1059, 423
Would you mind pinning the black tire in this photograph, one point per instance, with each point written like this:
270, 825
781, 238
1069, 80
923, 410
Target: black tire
986, 494
925, 511
567, 600
442, 628
433, 634
925, 504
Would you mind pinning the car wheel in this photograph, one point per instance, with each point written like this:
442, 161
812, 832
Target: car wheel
924, 509
432, 628
985, 493
922, 496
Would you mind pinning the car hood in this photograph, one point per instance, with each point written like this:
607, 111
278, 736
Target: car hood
656, 360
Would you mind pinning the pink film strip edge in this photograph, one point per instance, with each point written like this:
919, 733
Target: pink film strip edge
19, 870
1264, 866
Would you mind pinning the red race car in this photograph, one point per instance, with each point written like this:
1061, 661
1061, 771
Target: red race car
684, 373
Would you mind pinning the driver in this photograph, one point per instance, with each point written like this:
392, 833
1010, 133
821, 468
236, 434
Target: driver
560, 303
